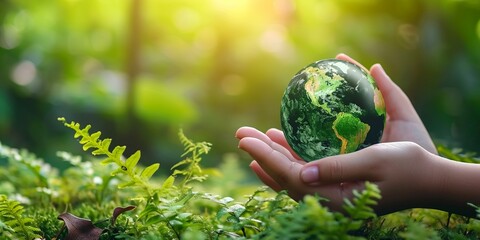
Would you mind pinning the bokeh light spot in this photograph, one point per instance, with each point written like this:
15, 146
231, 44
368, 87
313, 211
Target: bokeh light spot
24, 73
186, 19
273, 39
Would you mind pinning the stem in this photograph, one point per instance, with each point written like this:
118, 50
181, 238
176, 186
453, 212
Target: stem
173, 229
448, 219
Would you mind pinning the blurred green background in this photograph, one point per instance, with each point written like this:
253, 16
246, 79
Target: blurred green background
139, 70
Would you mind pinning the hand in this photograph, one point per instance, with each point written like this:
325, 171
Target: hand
403, 171
280, 168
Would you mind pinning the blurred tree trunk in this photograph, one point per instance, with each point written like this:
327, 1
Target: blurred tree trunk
133, 56
129, 128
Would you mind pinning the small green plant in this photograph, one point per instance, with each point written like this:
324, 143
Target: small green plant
14, 221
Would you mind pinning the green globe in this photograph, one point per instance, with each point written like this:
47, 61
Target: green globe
331, 107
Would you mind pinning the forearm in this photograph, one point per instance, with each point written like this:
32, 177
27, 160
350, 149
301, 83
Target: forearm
459, 185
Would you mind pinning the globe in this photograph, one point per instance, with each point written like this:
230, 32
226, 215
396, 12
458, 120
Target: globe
331, 107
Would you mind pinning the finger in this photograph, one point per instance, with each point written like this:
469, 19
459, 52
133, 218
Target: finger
280, 168
244, 132
347, 58
264, 177
352, 167
398, 105
278, 137
252, 132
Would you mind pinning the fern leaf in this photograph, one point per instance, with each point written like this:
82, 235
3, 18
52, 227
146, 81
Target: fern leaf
183, 162
106, 143
82, 133
126, 184
12, 216
132, 161
117, 171
360, 206
168, 183
117, 153
107, 161
148, 172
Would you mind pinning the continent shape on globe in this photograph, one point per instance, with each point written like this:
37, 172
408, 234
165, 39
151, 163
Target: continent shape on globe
331, 107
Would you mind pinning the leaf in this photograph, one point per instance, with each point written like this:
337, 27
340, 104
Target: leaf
132, 161
221, 212
183, 162
79, 133
117, 152
154, 220
126, 184
106, 143
116, 171
107, 161
79, 228
236, 209
149, 209
168, 183
104, 147
149, 171
119, 210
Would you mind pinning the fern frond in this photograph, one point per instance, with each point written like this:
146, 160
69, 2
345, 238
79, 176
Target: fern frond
477, 209
458, 154
360, 207
194, 148
126, 166
11, 213
191, 170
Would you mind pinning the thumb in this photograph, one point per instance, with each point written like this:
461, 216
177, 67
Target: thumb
356, 166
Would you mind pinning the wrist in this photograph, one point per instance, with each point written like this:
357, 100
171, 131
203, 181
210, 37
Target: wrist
456, 185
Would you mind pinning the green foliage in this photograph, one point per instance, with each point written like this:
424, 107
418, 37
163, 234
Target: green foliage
457, 154
190, 203
418, 231
11, 213
311, 220
360, 207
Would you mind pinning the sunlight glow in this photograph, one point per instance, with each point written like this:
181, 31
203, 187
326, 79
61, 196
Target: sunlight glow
186, 19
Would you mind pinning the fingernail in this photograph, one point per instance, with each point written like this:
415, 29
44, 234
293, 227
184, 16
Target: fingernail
381, 67
309, 174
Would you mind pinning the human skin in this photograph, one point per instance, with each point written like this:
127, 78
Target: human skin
405, 165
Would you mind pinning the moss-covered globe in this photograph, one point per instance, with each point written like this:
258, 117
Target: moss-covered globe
331, 107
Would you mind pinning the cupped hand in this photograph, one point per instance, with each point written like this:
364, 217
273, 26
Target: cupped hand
402, 170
